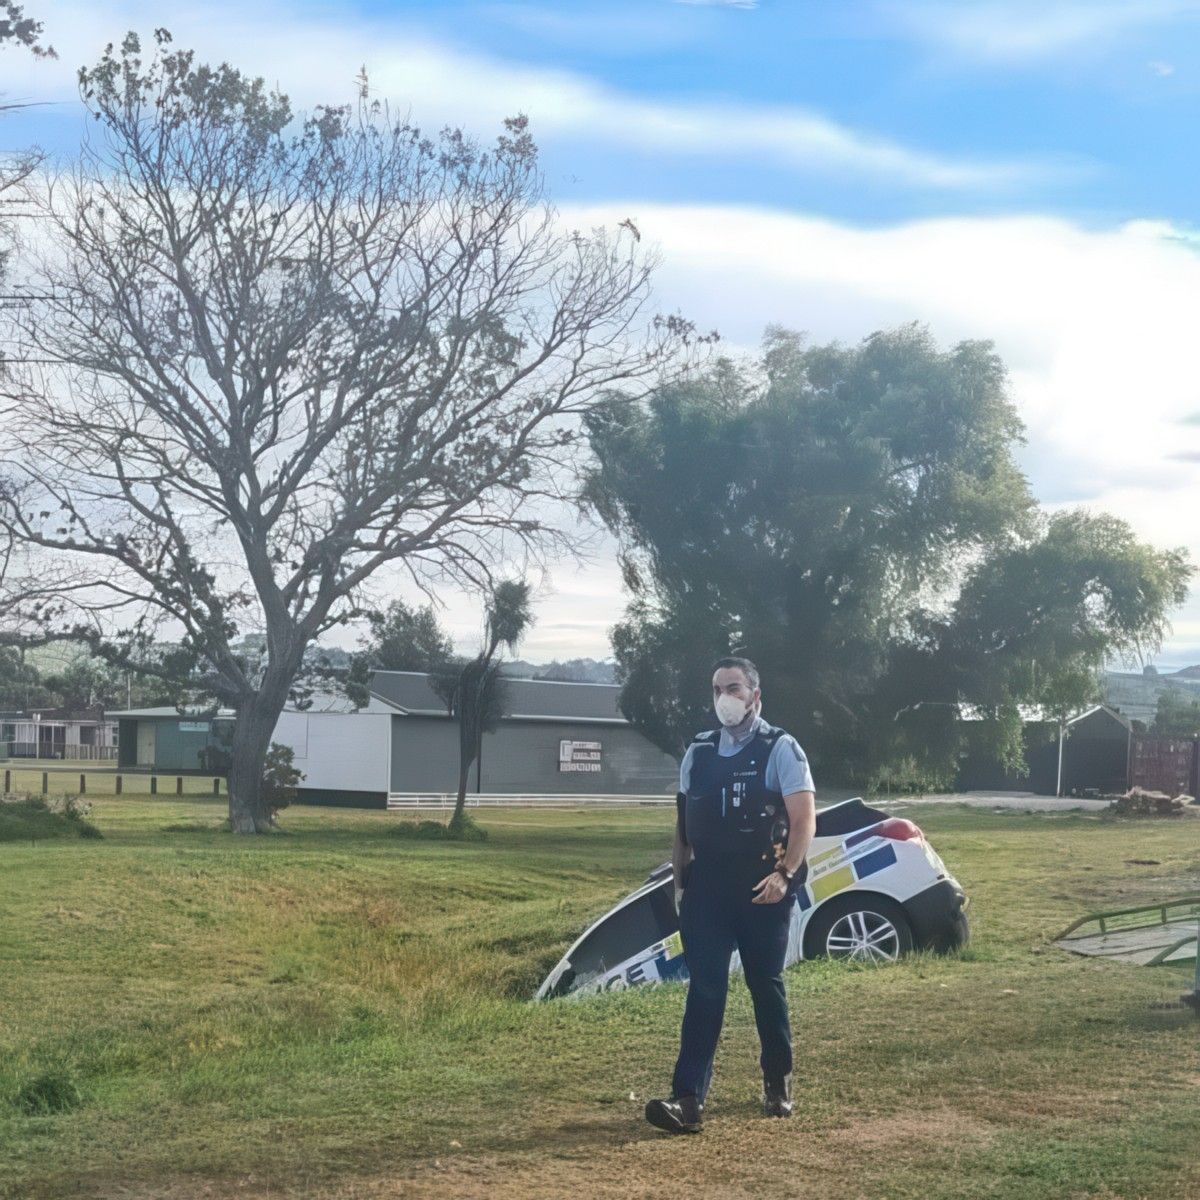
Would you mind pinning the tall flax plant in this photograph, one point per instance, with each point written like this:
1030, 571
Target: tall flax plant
475, 691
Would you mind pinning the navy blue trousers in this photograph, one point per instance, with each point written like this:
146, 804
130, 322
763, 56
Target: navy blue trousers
716, 917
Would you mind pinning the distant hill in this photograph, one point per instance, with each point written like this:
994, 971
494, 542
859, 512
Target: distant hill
573, 670
1188, 673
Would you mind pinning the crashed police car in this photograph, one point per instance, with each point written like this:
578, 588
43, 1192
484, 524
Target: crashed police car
875, 889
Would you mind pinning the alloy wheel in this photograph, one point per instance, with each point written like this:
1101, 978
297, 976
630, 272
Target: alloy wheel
865, 936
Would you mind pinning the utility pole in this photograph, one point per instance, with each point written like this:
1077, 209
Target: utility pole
1058, 784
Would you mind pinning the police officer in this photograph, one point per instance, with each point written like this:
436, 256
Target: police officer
745, 821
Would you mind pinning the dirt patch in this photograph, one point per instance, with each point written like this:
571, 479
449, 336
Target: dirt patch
739, 1156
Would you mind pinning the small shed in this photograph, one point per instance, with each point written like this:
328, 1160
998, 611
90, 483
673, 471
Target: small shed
1094, 753
164, 739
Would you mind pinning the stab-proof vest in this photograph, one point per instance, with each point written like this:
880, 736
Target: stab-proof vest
729, 812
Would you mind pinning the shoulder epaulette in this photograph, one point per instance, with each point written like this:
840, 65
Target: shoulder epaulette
706, 737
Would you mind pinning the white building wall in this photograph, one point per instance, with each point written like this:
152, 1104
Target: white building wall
341, 752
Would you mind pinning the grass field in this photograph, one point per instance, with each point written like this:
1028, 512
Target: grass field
338, 1012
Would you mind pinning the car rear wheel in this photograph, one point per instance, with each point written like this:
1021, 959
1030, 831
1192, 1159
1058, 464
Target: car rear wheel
864, 928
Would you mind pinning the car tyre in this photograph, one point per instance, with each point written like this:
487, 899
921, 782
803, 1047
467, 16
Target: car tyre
862, 926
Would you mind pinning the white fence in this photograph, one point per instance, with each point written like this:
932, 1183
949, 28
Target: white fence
407, 801
41, 752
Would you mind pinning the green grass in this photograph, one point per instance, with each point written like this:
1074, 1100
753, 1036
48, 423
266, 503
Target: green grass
336, 1011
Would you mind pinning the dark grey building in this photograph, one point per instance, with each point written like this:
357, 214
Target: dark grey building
557, 739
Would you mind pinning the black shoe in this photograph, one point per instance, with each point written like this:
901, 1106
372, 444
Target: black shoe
777, 1097
681, 1114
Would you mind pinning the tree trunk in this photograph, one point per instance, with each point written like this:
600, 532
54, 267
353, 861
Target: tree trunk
464, 774
466, 740
251, 739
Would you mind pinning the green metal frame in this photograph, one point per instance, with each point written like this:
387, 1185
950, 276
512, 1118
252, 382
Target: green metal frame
1161, 908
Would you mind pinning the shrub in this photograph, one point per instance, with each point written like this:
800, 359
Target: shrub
280, 778
464, 829
906, 774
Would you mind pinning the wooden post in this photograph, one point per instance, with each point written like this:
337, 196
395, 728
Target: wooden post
118, 785
154, 785
216, 787
8, 781
179, 785
45, 783
82, 783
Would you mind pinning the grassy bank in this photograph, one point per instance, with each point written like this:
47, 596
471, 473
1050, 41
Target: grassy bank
335, 1011
35, 818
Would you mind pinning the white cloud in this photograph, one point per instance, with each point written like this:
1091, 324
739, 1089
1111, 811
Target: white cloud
315, 61
1162, 69
719, 3
607, 28
1096, 325
1021, 31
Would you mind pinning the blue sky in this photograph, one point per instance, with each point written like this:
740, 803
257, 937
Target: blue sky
1004, 169
1092, 105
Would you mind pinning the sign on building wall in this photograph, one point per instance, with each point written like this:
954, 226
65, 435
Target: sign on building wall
579, 756
193, 726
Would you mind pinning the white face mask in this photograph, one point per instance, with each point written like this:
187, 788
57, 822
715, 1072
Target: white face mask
730, 710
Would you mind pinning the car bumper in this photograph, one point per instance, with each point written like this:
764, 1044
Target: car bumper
938, 916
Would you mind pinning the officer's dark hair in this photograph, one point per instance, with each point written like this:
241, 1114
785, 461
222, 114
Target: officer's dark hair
744, 665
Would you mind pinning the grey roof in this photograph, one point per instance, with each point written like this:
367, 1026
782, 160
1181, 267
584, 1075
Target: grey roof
1120, 718
409, 691
336, 702
529, 699
167, 710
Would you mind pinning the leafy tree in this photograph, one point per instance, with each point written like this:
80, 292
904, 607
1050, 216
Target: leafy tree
85, 683
1031, 629
407, 639
1176, 715
284, 354
861, 529
475, 691
21, 685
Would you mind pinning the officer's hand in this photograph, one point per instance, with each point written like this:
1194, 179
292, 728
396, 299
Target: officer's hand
771, 889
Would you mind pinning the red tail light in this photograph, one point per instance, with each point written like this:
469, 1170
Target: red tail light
899, 830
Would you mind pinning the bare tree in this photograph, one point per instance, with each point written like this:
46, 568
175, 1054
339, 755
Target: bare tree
282, 354
16, 29
22, 30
